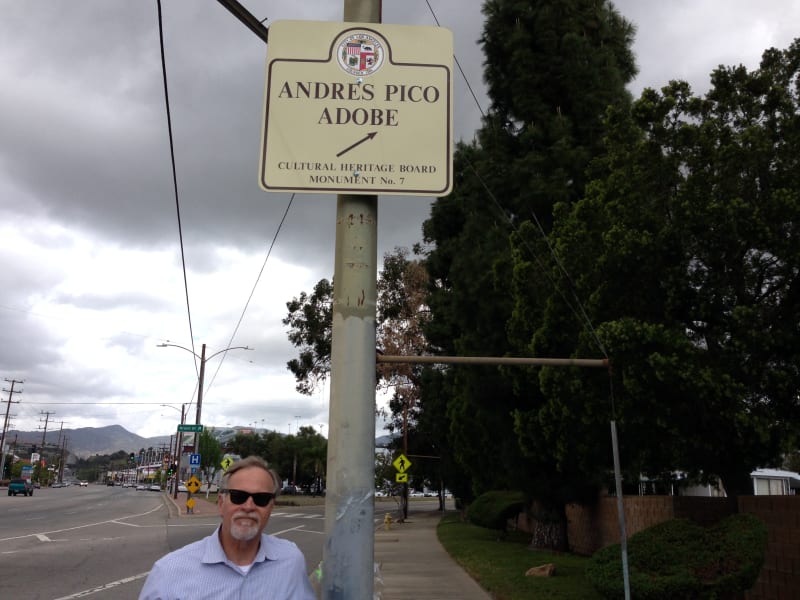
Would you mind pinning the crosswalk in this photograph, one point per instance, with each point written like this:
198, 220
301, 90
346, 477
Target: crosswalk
289, 515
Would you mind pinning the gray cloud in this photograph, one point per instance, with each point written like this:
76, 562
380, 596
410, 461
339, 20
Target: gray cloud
92, 270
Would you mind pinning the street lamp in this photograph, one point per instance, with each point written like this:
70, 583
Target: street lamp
178, 447
203, 360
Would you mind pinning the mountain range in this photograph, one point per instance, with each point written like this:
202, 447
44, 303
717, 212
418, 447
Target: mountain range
87, 441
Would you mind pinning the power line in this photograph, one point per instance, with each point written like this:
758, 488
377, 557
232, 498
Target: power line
579, 312
174, 173
250, 297
458, 64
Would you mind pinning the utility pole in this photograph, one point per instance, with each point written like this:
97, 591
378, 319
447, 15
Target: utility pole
61, 462
200, 384
11, 392
349, 551
178, 454
59, 445
44, 432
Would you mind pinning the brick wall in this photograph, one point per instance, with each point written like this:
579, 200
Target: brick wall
593, 527
780, 577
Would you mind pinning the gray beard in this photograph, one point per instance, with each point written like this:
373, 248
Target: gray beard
244, 533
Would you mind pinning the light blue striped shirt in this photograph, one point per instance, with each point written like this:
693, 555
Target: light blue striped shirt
201, 570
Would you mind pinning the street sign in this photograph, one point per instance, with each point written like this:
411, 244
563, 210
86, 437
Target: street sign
358, 108
401, 463
401, 477
194, 460
226, 463
190, 428
193, 485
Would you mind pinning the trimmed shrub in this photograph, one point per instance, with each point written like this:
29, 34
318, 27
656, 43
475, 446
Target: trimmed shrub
492, 510
680, 559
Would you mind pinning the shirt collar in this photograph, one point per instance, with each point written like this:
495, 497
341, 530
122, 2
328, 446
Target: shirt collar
213, 551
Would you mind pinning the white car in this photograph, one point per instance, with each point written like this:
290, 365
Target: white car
83, 483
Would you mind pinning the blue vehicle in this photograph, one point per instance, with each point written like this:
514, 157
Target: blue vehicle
20, 486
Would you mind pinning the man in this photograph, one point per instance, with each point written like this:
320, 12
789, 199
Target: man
237, 560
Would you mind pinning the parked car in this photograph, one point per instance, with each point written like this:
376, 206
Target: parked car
141, 487
20, 486
155, 488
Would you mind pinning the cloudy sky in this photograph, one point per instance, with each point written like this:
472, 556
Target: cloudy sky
91, 265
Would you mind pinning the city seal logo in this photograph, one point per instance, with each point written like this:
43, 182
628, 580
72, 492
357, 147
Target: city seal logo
360, 54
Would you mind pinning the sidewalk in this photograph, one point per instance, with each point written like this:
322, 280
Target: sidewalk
201, 507
412, 562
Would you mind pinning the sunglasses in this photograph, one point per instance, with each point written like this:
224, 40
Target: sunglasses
240, 497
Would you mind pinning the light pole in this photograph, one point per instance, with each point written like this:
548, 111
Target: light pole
178, 448
201, 376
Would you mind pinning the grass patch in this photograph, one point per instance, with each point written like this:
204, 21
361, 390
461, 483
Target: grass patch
500, 566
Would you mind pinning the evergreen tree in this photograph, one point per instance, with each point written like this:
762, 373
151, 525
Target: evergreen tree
687, 253
553, 68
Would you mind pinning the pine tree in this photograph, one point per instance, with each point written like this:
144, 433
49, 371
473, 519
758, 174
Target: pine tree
552, 68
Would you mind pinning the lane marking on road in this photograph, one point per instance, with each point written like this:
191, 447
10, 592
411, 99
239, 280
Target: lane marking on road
104, 587
299, 528
288, 530
27, 535
128, 524
43, 538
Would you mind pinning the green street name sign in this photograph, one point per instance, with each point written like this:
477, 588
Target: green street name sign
190, 428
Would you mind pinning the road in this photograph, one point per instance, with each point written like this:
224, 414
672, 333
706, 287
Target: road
100, 542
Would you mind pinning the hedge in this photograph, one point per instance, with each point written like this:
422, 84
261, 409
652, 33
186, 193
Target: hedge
680, 559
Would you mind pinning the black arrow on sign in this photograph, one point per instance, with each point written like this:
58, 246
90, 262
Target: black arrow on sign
369, 136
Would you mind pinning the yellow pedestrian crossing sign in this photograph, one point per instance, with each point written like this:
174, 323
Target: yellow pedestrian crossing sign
226, 463
401, 477
401, 463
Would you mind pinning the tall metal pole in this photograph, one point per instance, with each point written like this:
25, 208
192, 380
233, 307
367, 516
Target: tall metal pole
199, 413
178, 453
623, 534
11, 393
202, 376
349, 551
405, 452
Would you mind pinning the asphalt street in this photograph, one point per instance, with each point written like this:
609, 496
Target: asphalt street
100, 542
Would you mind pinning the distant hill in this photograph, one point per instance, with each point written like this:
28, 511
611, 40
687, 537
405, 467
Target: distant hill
88, 441
385, 441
